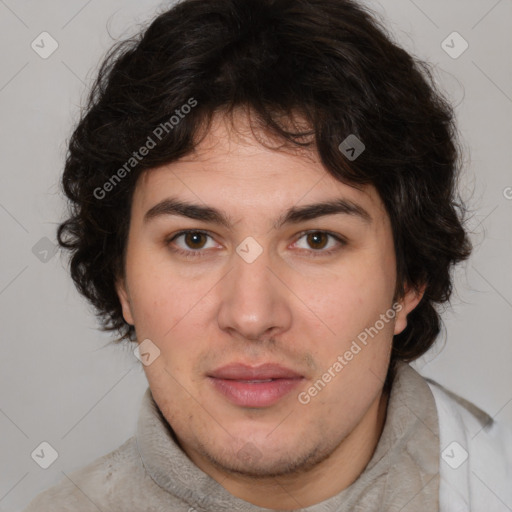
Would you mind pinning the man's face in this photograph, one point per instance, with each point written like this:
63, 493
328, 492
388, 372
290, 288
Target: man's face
252, 315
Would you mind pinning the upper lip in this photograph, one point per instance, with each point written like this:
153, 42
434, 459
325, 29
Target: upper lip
238, 371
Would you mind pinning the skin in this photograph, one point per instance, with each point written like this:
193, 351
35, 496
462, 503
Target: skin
295, 305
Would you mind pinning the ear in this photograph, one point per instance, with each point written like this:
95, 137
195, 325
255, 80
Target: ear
409, 301
124, 299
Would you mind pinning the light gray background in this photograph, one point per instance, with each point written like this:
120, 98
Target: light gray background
60, 381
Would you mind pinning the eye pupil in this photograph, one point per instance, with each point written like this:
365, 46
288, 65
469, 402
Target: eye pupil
194, 238
315, 239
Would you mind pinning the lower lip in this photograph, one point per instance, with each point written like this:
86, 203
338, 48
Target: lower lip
255, 394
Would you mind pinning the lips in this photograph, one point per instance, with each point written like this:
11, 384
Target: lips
261, 372
254, 386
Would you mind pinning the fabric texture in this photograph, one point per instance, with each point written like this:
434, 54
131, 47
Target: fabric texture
476, 452
150, 472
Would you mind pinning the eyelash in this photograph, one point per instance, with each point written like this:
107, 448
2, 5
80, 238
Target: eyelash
198, 253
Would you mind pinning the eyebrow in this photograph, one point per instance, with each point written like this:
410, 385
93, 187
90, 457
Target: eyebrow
294, 215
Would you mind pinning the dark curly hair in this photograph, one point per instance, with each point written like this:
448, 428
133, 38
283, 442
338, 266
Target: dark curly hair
331, 62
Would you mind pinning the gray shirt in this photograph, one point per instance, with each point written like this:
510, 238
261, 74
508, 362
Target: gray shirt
151, 473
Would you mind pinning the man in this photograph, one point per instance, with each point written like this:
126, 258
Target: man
262, 199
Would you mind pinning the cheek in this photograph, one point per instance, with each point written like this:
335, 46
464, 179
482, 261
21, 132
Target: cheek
165, 295
350, 299
171, 312
164, 314
157, 302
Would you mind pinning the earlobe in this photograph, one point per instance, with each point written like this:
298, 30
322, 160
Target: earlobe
124, 299
410, 300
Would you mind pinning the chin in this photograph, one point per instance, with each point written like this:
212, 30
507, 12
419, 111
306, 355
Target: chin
266, 461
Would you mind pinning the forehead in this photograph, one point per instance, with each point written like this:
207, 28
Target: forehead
235, 163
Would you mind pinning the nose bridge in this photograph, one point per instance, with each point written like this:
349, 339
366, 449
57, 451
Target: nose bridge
253, 301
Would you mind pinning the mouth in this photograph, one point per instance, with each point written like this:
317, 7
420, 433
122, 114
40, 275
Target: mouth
254, 386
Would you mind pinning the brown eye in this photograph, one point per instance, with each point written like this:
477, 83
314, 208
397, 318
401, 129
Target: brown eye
317, 239
191, 243
195, 239
320, 243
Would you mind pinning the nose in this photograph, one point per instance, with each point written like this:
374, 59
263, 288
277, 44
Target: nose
255, 302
